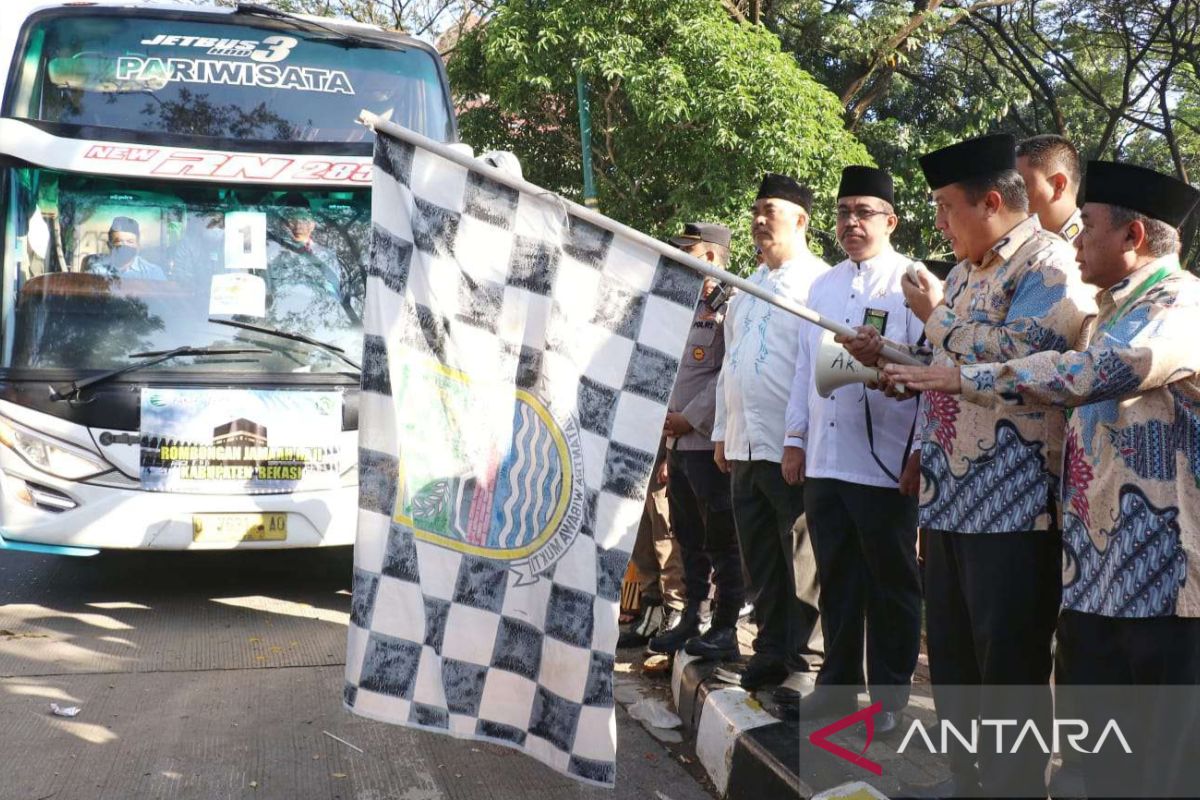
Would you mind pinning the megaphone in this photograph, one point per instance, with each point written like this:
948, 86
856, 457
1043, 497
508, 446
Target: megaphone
835, 367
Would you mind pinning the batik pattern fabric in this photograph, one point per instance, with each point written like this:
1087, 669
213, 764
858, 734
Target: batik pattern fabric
996, 470
516, 368
1131, 490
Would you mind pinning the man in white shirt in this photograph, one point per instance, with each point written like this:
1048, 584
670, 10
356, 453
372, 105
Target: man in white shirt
847, 450
752, 395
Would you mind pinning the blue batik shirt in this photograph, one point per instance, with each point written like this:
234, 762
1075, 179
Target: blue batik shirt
1131, 489
995, 470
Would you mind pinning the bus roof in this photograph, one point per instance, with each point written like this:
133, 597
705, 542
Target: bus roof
20, 10
148, 154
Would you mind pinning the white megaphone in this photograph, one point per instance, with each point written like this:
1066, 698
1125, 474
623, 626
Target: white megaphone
835, 367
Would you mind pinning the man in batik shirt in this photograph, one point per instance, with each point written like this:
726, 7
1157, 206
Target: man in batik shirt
992, 551
1131, 493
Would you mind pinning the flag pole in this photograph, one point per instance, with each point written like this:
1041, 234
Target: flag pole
376, 123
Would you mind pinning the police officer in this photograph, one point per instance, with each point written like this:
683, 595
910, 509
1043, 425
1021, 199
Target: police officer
1049, 166
701, 504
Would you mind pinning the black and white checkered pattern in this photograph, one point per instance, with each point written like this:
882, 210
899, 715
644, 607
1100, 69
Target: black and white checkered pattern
513, 291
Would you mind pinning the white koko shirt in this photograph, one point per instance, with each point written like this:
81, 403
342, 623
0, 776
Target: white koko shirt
833, 430
760, 358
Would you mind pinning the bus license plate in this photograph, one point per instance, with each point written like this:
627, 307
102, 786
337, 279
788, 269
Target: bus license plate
239, 527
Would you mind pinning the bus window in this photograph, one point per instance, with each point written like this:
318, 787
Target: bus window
148, 268
223, 80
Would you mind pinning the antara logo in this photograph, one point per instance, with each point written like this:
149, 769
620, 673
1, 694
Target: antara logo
1071, 732
1075, 732
820, 738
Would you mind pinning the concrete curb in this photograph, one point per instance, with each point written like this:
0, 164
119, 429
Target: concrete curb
746, 752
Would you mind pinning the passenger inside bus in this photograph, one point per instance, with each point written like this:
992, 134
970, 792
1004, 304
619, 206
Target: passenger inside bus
124, 259
302, 273
300, 224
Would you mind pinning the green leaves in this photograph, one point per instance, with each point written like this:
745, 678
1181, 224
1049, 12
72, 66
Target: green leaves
689, 108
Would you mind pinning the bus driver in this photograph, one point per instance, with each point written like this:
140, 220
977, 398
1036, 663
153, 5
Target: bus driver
123, 259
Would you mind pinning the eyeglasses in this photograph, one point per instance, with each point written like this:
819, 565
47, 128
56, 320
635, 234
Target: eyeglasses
861, 214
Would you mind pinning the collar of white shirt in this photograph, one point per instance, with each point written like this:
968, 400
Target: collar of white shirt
885, 257
804, 257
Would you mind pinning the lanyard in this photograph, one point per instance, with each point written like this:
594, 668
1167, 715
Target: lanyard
1145, 286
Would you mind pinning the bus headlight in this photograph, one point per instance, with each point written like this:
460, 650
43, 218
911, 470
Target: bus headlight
57, 458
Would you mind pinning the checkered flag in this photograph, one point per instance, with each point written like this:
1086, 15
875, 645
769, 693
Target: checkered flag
516, 369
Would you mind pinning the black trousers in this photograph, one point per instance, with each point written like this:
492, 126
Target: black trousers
991, 602
702, 516
1141, 673
865, 542
776, 551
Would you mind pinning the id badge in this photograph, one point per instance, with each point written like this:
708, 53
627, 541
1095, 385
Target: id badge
876, 319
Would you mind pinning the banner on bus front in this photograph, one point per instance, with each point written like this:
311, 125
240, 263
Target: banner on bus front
239, 440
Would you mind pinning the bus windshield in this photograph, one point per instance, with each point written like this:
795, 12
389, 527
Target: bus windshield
104, 270
194, 77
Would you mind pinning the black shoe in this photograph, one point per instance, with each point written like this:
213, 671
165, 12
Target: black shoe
680, 626
715, 643
954, 786
824, 702
797, 685
762, 672
641, 629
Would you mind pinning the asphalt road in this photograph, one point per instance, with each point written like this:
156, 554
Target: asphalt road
219, 675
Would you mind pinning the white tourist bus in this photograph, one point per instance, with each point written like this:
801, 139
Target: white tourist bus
186, 222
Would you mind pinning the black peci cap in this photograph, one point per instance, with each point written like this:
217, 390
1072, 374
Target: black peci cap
125, 225
295, 206
970, 159
709, 232
781, 187
1154, 194
866, 182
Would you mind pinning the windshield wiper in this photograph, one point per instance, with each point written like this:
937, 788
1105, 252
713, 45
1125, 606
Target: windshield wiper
298, 21
148, 359
295, 337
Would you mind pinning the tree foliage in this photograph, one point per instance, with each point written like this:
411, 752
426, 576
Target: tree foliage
689, 107
1118, 77
423, 18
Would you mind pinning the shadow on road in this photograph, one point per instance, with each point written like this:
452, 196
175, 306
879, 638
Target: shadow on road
155, 611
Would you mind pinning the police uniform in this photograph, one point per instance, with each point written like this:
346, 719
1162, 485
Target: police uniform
699, 493
1072, 227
